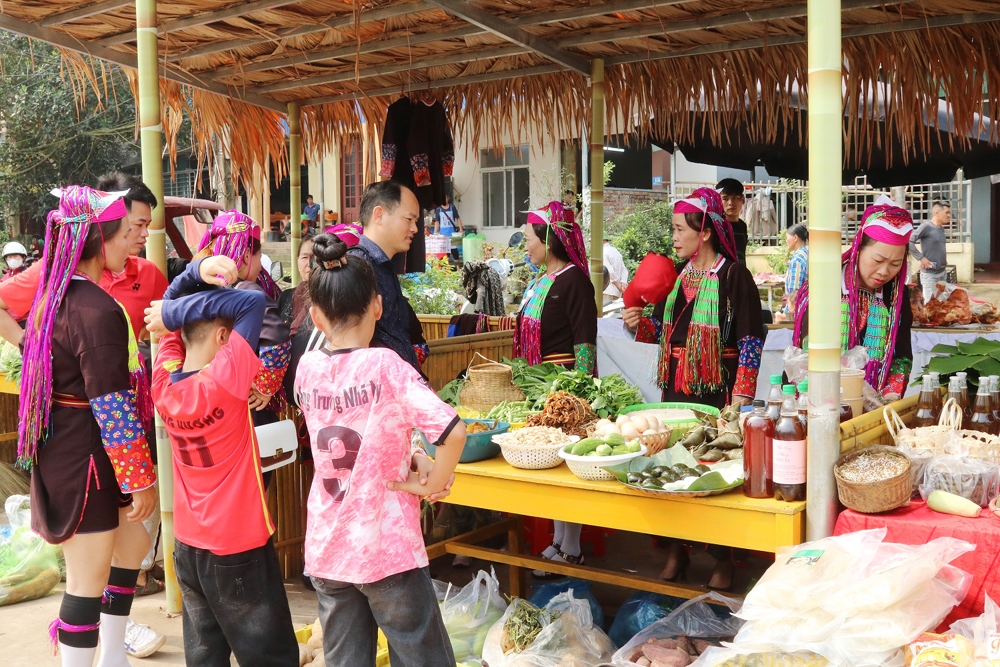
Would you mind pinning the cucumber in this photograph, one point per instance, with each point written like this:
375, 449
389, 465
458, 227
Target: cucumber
633, 447
585, 446
614, 439
603, 450
619, 450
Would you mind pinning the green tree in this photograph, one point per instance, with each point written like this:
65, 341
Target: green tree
640, 230
54, 131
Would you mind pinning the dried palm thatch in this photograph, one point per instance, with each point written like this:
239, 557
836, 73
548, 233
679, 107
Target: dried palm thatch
671, 67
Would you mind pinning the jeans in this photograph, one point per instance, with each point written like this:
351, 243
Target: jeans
403, 605
235, 604
928, 279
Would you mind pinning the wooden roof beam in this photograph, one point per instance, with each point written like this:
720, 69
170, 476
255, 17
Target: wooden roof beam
739, 18
63, 40
88, 10
782, 40
337, 23
242, 9
392, 11
513, 33
383, 70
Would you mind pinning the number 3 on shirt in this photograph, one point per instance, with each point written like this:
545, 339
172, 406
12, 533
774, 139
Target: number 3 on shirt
196, 444
351, 441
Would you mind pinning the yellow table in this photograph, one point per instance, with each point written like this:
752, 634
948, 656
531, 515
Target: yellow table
729, 519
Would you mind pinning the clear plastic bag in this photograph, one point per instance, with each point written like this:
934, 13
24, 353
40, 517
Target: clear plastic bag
796, 364
469, 614
730, 657
28, 566
975, 480
855, 359
696, 619
568, 638
581, 590
639, 612
18, 509
984, 632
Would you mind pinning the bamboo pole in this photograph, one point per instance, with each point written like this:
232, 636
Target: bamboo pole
597, 181
825, 164
265, 213
295, 184
151, 138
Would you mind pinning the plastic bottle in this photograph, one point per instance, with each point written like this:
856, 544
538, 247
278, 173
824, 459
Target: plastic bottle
955, 392
802, 404
774, 399
789, 447
758, 434
925, 405
995, 399
982, 414
846, 411
938, 402
963, 385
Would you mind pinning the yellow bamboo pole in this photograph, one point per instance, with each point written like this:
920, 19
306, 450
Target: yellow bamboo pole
151, 138
597, 181
265, 208
295, 184
825, 177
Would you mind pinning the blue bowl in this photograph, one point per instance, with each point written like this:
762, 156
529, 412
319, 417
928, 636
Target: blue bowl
479, 446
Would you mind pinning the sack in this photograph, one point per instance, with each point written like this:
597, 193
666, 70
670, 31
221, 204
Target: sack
697, 620
975, 480
581, 591
984, 632
29, 566
470, 612
568, 637
638, 613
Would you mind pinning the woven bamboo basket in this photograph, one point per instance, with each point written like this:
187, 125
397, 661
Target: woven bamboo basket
874, 497
930, 438
487, 385
653, 443
982, 446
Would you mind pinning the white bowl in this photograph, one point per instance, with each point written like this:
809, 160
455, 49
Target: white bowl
592, 467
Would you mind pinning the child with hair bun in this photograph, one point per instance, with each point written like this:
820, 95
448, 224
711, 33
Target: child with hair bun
364, 547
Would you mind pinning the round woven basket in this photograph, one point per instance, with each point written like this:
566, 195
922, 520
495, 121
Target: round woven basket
532, 457
487, 385
874, 497
982, 446
653, 443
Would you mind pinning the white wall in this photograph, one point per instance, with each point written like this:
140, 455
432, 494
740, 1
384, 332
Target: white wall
980, 218
693, 172
543, 164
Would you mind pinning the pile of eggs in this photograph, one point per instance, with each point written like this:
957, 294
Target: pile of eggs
629, 426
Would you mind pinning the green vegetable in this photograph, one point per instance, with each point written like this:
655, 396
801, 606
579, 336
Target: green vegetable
604, 450
615, 439
512, 412
633, 447
449, 392
586, 446
619, 450
10, 361
607, 396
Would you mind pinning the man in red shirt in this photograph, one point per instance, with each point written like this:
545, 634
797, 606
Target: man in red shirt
136, 287
228, 570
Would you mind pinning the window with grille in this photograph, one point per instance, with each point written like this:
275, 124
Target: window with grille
506, 186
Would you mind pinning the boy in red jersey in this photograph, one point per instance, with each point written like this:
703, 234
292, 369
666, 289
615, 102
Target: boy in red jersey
230, 579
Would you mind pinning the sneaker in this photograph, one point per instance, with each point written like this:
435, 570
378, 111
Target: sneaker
142, 641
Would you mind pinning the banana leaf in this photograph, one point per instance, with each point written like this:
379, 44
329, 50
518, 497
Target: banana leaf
953, 364
978, 346
941, 348
715, 480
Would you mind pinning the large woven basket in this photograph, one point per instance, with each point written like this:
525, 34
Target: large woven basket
976, 445
487, 385
874, 497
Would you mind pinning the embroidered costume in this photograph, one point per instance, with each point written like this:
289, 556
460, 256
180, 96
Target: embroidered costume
881, 320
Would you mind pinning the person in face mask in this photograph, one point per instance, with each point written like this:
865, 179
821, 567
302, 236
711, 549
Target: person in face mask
14, 254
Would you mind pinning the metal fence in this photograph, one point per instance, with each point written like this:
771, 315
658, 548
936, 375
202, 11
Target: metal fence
771, 208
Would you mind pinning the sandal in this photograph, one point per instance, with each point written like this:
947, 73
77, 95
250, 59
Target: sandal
561, 557
151, 587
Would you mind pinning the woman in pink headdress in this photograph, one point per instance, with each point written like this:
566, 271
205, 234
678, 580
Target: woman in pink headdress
875, 304
557, 323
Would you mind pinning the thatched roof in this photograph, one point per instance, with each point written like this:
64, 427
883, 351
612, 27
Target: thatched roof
504, 66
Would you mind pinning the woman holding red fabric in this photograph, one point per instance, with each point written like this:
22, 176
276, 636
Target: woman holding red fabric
875, 304
557, 323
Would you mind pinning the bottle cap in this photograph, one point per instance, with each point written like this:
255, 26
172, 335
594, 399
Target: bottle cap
788, 390
804, 386
776, 379
759, 403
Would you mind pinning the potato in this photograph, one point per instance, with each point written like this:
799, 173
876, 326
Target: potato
669, 657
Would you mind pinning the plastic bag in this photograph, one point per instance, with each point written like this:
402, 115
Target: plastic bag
796, 364
472, 247
470, 612
695, 619
855, 359
931, 650
581, 590
639, 612
729, 657
28, 566
18, 509
984, 632
976, 480
568, 638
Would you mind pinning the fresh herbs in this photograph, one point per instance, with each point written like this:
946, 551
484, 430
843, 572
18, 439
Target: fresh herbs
523, 625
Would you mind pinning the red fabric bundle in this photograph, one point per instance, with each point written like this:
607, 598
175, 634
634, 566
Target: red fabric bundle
653, 281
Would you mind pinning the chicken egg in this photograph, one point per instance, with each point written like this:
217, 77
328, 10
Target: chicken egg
622, 419
629, 430
640, 424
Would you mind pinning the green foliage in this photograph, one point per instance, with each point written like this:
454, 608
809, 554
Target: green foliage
609, 168
779, 260
55, 133
437, 291
978, 358
641, 230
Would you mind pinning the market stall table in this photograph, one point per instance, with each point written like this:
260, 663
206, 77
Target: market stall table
918, 524
730, 519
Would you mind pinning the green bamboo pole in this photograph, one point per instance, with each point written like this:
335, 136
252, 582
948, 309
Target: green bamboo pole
597, 181
825, 164
151, 138
295, 183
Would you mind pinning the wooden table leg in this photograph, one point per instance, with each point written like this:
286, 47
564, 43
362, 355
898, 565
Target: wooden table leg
515, 541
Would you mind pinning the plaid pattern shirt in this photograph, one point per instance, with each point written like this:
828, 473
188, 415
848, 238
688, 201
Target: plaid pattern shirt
798, 270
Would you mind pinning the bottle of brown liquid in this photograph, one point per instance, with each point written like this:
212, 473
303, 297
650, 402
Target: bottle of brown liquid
758, 434
925, 405
982, 414
938, 402
789, 447
963, 385
995, 400
846, 411
802, 404
955, 392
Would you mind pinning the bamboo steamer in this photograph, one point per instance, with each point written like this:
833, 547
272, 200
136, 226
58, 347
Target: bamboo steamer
487, 385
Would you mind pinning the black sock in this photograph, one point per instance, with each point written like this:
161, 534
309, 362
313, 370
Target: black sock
79, 611
119, 603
